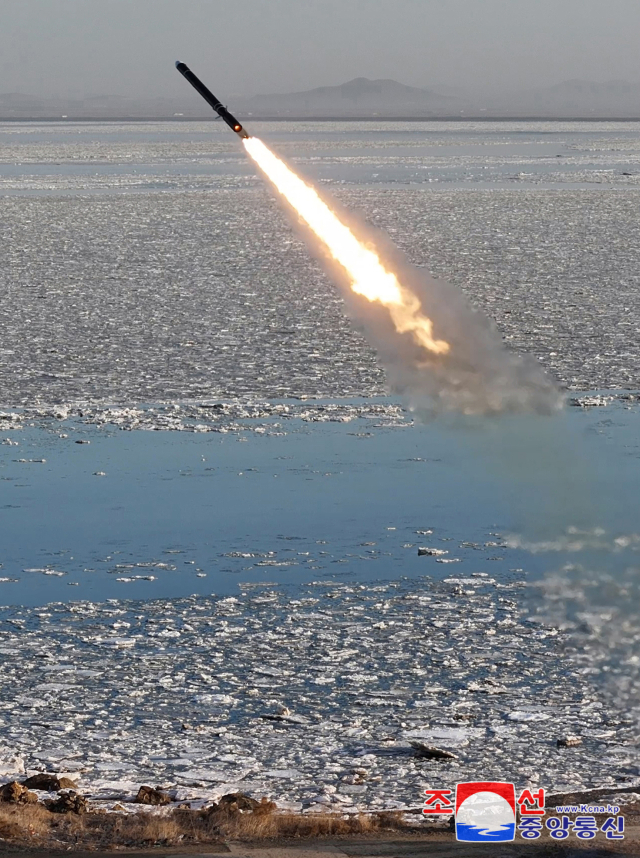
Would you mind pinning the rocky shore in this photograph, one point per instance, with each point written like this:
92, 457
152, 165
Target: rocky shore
42, 812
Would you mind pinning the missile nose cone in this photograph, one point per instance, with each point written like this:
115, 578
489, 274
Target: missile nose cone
178, 63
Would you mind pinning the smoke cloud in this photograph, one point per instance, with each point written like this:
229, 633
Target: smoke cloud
478, 375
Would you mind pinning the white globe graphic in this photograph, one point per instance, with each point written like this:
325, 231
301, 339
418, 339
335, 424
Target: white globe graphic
487, 810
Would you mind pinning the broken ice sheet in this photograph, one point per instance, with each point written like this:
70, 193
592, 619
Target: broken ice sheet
176, 692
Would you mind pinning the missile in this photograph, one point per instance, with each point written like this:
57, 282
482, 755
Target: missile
209, 97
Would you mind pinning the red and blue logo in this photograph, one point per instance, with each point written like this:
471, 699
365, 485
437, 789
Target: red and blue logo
485, 812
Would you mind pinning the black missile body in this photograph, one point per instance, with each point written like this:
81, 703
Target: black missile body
209, 97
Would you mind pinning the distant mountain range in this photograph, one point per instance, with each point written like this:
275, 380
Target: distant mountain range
358, 98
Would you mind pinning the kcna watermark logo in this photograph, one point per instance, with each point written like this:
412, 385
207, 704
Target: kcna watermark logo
487, 812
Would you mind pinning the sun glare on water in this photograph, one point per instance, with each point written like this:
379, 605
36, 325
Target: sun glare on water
367, 274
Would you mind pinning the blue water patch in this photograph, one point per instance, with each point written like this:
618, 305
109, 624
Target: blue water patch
485, 834
145, 514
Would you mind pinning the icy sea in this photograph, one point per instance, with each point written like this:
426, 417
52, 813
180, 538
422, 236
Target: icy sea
228, 559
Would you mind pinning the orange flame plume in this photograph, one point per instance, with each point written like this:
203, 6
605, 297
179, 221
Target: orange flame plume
367, 274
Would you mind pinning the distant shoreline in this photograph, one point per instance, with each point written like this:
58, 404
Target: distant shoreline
250, 118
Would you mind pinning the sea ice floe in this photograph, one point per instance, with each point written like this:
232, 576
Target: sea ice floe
181, 693
447, 737
234, 416
528, 716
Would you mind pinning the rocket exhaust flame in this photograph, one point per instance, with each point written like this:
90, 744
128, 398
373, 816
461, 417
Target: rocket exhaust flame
368, 276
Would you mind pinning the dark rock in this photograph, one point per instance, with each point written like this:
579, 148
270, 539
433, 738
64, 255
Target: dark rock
50, 783
16, 793
149, 795
234, 801
67, 802
429, 752
237, 802
43, 781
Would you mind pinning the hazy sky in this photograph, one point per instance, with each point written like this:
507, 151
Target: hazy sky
243, 47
